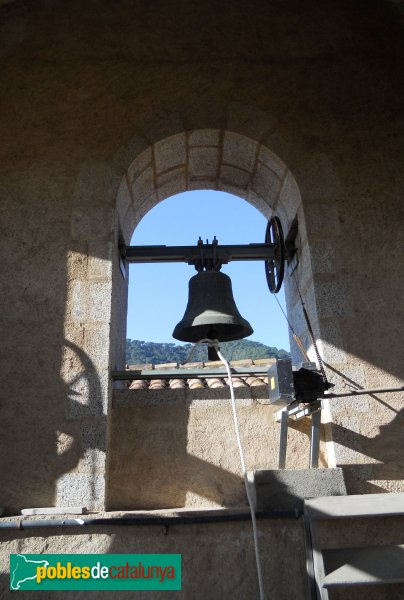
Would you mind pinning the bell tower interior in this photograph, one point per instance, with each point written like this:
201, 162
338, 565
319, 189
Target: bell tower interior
110, 108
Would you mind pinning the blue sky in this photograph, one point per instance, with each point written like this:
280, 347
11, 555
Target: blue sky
158, 293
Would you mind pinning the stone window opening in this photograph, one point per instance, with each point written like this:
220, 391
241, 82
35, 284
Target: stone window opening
211, 159
158, 292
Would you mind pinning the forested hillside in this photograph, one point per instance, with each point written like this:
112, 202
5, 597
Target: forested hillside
139, 352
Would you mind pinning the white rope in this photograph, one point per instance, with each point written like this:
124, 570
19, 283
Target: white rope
215, 344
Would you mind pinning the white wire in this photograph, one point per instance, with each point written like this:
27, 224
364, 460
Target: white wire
215, 344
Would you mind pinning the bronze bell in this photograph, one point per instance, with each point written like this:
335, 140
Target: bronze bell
211, 311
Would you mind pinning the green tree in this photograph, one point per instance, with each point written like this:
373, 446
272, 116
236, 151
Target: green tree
141, 352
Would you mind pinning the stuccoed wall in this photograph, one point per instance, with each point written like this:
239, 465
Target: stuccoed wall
89, 88
172, 448
218, 559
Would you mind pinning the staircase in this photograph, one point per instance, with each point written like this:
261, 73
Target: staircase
355, 547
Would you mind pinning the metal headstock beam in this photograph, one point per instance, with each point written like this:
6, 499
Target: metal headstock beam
192, 255
212, 256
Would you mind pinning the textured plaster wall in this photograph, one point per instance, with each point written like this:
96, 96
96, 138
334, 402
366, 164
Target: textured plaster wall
175, 448
204, 573
90, 88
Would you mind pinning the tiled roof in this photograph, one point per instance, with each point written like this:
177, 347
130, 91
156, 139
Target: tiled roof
199, 382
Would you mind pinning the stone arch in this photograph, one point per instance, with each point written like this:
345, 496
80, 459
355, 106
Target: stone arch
222, 160
206, 159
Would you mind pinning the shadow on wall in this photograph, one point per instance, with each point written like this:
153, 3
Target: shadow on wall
152, 462
151, 465
31, 462
85, 411
381, 448
207, 548
58, 453
217, 558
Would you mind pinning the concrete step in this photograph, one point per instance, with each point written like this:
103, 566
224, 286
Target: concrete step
287, 489
363, 566
355, 541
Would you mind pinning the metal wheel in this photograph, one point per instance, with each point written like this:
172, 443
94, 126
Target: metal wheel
275, 267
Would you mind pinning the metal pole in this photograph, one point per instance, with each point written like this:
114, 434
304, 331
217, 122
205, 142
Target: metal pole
363, 392
315, 439
283, 440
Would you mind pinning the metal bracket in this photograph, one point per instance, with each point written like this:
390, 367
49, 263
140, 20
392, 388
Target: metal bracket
296, 412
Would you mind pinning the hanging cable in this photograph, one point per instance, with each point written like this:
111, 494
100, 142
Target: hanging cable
313, 339
285, 315
215, 344
295, 337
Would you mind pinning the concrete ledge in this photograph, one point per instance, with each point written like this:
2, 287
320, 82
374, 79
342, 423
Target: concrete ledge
287, 489
356, 506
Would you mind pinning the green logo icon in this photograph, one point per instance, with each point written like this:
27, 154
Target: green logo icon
95, 571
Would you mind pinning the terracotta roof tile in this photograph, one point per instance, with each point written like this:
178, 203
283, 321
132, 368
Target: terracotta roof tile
199, 382
138, 384
215, 383
262, 362
177, 384
193, 365
195, 384
166, 366
238, 382
157, 384
212, 364
247, 362
141, 367
251, 381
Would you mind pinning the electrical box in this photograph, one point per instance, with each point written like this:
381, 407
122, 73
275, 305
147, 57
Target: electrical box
286, 383
280, 383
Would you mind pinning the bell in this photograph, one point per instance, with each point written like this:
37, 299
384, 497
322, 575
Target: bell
211, 311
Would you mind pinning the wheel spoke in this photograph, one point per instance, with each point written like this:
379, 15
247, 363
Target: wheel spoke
274, 268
